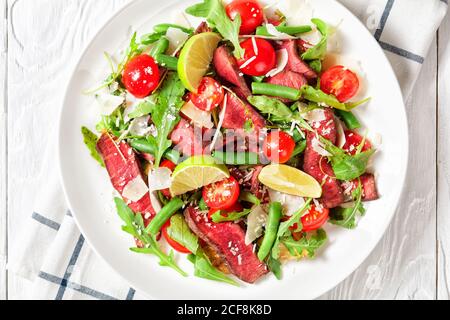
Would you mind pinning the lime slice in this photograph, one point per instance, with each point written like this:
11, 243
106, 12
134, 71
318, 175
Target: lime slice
290, 180
196, 57
197, 172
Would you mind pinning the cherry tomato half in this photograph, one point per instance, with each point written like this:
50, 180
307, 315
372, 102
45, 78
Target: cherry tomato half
257, 63
171, 166
251, 12
209, 96
237, 207
141, 76
175, 245
353, 141
341, 82
279, 147
222, 195
315, 218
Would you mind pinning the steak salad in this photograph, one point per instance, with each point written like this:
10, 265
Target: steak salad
232, 142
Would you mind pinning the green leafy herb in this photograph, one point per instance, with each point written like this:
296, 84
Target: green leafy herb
284, 229
232, 216
90, 140
163, 27
202, 205
274, 108
113, 123
215, 14
248, 126
347, 167
249, 197
319, 51
180, 232
316, 65
143, 109
166, 114
346, 217
205, 270
310, 243
318, 96
134, 225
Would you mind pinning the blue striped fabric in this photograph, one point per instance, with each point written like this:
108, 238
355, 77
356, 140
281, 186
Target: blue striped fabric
64, 283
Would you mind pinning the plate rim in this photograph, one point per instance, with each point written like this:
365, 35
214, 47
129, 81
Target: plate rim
137, 285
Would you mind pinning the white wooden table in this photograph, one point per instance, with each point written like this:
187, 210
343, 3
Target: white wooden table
39, 41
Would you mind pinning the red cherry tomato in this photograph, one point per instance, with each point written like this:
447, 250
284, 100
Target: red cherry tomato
178, 247
313, 220
237, 207
341, 82
353, 141
171, 166
141, 76
257, 63
209, 96
222, 195
251, 12
279, 147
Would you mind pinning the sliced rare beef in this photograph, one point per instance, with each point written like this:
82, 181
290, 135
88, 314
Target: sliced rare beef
239, 113
226, 67
318, 166
123, 167
290, 79
295, 63
187, 140
228, 240
202, 28
369, 187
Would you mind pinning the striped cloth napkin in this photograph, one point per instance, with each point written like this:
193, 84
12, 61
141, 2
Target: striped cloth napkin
53, 254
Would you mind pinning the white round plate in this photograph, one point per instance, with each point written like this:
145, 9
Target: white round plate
89, 192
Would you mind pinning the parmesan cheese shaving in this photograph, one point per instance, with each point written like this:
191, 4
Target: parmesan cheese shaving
291, 204
176, 38
199, 117
108, 103
282, 58
135, 189
272, 30
220, 124
247, 63
159, 179
341, 140
319, 148
256, 220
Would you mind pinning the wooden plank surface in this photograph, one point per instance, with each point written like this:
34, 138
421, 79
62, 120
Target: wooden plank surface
444, 162
404, 264
3, 154
45, 39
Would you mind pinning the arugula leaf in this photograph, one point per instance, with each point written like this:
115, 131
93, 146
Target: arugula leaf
319, 51
134, 225
283, 230
346, 217
202, 205
166, 114
232, 216
216, 15
308, 244
90, 140
274, 108
316, 65
347, 167
318, 96
249, 197
144, 108
274, 266
113, 123
180, 232
205, 270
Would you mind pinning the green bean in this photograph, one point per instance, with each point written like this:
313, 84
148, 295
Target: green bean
164, 215
159, 47
237, 159
166, 61
258, 79
351, 122
291, 30
163, 27
276, 91
150, 38
142, 145
273, 223
299, 148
